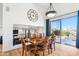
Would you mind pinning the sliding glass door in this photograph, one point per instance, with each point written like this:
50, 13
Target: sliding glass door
69, 29
55, 28
65, 30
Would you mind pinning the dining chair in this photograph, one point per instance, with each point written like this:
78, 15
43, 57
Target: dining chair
31, 48
36, 48
52, 41
44, 45
23, 46
47, 44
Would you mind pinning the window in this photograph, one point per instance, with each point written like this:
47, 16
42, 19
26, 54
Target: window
65, 30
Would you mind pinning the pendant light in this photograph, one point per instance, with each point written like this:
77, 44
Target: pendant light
51, 12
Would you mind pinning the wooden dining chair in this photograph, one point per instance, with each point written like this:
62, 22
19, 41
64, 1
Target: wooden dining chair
47, 44
36, 48
23, 46
28, 48
52, 42
44, 45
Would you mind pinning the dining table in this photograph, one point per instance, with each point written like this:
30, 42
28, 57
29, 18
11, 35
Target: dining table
36, 41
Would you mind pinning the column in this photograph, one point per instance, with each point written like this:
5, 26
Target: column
77, 39
47, 27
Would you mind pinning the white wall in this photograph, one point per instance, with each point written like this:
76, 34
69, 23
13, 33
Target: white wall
17, 15
0, 19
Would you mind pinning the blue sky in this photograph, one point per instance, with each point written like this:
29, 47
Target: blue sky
70, 22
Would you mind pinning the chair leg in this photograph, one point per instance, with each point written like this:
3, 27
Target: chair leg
43, 52
25, 53
30, 53
48, 50
51, 50
22, 52
54, 46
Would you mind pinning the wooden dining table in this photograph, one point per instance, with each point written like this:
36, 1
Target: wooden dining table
33, 44
36, 41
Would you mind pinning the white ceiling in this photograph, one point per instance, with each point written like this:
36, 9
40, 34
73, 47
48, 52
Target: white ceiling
61, 8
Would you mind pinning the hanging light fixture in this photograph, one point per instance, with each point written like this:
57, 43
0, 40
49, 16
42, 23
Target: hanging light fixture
51, 12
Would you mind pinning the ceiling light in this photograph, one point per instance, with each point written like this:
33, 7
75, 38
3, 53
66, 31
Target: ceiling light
51, 12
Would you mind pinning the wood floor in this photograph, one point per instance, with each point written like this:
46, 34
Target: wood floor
0, 47
61, 50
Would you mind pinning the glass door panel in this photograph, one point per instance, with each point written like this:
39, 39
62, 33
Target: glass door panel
55, 28
68, 32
